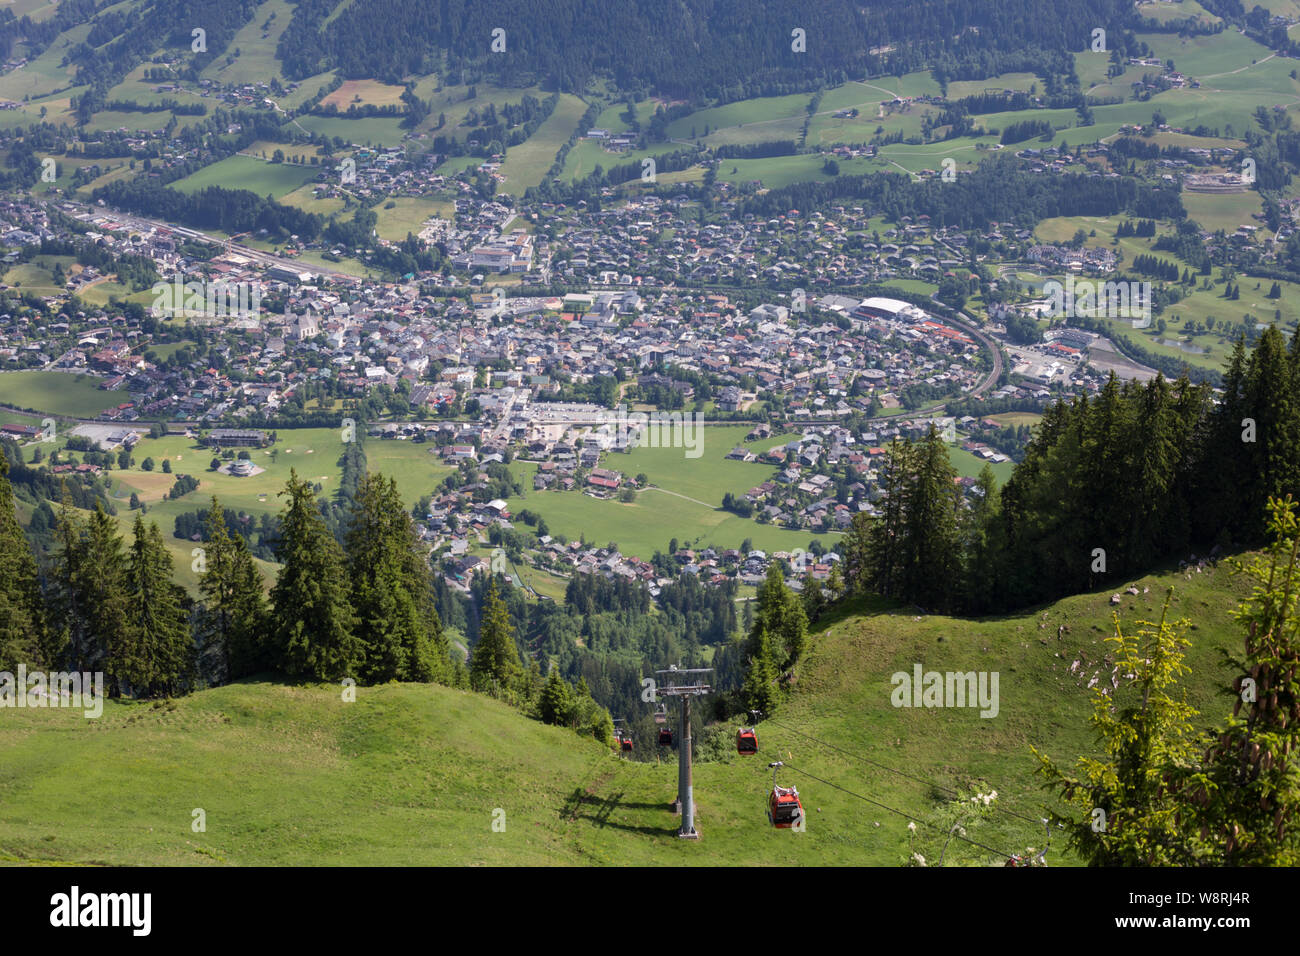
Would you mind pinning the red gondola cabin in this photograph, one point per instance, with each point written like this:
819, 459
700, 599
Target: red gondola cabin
784, 808
746, 741
625, 743
665, 738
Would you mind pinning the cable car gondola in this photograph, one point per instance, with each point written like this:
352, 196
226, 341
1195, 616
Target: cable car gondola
625, 743
746, 741
784, 810
665, 737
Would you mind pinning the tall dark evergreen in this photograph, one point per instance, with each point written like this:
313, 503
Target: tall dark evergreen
311, 616
494, 663
234, 616
156, 655
23, 635
913, 546
397, 625
932, 560
89, 596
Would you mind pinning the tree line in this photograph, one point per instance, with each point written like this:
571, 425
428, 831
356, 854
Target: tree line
360, 606
1109, 487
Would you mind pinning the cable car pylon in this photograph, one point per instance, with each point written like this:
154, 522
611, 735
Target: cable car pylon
685, 803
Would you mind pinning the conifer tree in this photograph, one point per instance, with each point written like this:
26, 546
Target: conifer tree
90, 598
156, 656
235, 613
1273, 468
781, 618
397, 625
931, 561
23, 635
311, 616
760, 690
494, 663
556, 702
980, 546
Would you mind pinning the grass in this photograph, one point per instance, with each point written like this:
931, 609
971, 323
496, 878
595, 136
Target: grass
378, 130
771, 115
248, 172
686, 502
416, 774
363, 93
969, 465
1213, 211
58, 393
526, 164
414, 465
256, 60
408, 215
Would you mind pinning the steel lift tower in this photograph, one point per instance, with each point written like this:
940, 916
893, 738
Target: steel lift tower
685, 683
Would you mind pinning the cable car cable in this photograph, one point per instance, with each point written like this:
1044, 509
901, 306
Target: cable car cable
902, 773
905, 816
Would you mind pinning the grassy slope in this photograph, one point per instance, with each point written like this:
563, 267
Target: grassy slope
411, 774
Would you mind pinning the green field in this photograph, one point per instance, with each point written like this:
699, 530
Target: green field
408, 215
527, 163
685, 502
969, 465
256, 60
368, 130
416, 774
1226, 212
415, 465
58, 393
248, 172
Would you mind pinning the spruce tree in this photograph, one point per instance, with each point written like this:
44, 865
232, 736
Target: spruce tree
931, 561
90, 599
23, 635
556, 702
311, 616
397, 624
1274, 456
157, 652
781, 618
494, 663
235, 614
760, 689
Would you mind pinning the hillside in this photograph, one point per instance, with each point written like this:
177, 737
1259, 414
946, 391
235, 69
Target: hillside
411, 774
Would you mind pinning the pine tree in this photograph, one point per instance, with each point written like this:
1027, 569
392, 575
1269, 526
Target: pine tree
760, 688
887, 543
1274, 456
235, 613
494, 663
89, 594
396, 622
781, 619
23, 634
311, 616
556, 702
981, 548
157, 652
931, 562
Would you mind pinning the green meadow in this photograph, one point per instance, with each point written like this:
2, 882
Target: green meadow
58, 393
247, 172
417, 774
